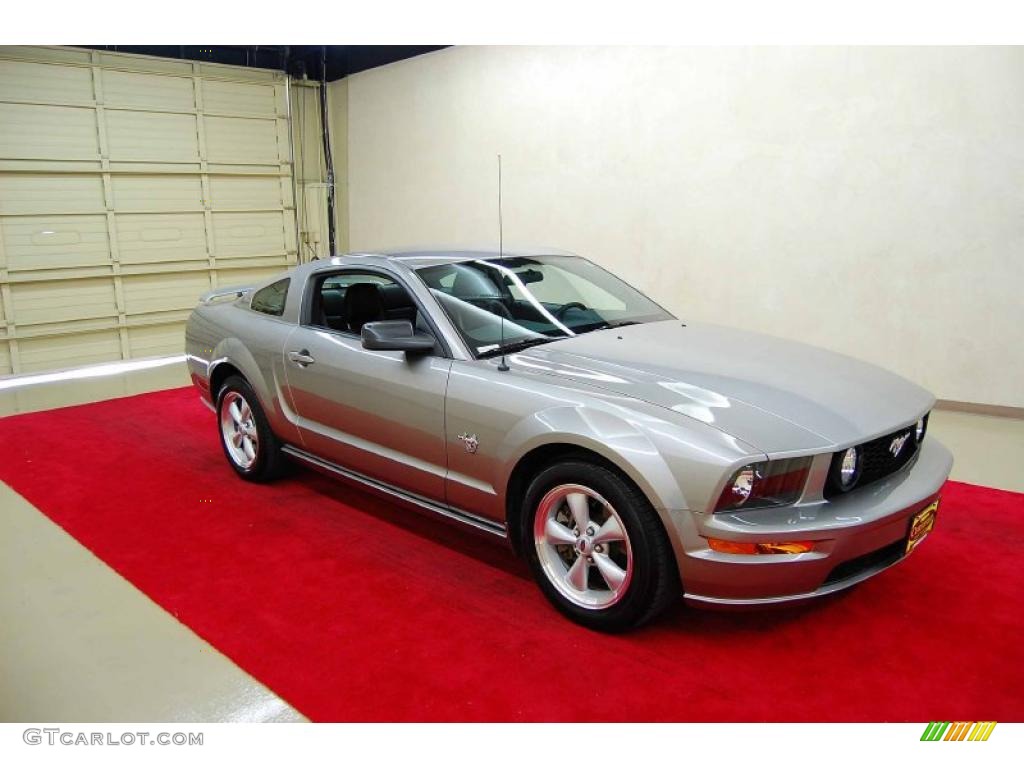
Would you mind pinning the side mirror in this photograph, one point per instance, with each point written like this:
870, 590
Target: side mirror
395, 335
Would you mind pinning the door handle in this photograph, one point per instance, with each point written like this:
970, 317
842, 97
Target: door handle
301, 358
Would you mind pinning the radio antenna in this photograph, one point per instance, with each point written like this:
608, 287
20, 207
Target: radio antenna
502, 366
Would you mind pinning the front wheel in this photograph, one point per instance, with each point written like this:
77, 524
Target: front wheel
251, 448
596, 547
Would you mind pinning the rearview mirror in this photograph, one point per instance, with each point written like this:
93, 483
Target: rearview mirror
526, 277
395, 335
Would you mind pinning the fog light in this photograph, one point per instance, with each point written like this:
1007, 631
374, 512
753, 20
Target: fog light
760, 548
848, 469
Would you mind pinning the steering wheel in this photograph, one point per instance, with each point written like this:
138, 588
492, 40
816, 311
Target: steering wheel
495, 307
560, 312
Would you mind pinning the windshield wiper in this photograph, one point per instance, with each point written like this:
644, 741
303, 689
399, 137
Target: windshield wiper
605, 326
622, 324
518, 346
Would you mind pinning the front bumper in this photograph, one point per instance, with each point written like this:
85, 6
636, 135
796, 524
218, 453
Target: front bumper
855, 538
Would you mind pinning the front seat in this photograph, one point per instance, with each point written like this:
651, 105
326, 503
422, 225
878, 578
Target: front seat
470, 284
477, 289
362, 305
332, 302
397, 303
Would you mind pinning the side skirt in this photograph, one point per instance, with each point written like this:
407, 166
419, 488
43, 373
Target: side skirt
461, 516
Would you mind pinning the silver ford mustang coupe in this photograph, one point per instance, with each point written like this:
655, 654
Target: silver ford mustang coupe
630, 457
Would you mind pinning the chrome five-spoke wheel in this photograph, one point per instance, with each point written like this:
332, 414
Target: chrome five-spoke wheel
238, 427
251, 447
582, 546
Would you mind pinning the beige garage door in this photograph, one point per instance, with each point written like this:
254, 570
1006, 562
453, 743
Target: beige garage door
129, 185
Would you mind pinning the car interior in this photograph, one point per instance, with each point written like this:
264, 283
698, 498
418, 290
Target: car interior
500, 295
348, 301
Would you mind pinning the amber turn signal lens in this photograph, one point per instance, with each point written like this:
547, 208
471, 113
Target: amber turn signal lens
760, 548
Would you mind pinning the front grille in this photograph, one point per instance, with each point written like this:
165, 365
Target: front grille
877, 459
880, 558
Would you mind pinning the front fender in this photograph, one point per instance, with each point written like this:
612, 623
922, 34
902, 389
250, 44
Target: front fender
611, 436
678, 465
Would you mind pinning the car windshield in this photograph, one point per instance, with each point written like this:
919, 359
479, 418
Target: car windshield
507, 304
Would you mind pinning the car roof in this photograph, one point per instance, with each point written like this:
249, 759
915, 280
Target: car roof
416, 258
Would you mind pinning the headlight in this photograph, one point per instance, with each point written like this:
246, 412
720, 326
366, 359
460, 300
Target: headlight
743, 485
764, 484
922, 424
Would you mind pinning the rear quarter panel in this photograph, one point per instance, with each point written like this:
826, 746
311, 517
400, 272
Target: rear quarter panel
253, 343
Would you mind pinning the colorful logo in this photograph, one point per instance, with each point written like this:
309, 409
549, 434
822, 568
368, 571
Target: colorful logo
958, 731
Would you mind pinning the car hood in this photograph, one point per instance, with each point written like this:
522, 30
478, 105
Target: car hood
776, 395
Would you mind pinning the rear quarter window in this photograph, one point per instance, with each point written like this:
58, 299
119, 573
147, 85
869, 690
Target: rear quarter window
270, 300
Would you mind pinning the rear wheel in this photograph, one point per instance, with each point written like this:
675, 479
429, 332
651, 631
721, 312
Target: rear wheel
251, 448
596, 547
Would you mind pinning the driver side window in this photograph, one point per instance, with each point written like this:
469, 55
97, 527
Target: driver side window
346, 301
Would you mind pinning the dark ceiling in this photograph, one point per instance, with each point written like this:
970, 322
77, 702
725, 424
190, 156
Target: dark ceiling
297, 60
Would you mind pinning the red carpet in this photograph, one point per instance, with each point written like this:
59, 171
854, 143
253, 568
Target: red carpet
352, 609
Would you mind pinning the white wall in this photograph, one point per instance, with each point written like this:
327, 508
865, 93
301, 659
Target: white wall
870, 200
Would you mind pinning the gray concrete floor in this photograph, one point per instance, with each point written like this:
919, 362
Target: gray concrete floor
79, 643
987, 450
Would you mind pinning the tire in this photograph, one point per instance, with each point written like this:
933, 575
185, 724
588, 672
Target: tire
644, 580
265, 461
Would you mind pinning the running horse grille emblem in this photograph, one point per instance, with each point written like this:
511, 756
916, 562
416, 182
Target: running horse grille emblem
470, 442
897, 444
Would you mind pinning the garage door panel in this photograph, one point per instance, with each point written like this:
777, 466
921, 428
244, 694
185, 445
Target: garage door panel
19, 165
41, 53
250, 276
50, 193
54, 301
139, 63
129, 186
134, 89
157, 193
241, 140
51, 242
45, 83
239, 192
67, 351
251, 170
152, 136
239, 98
42, 132
244, 234
154, 340
163, 292
144, 238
